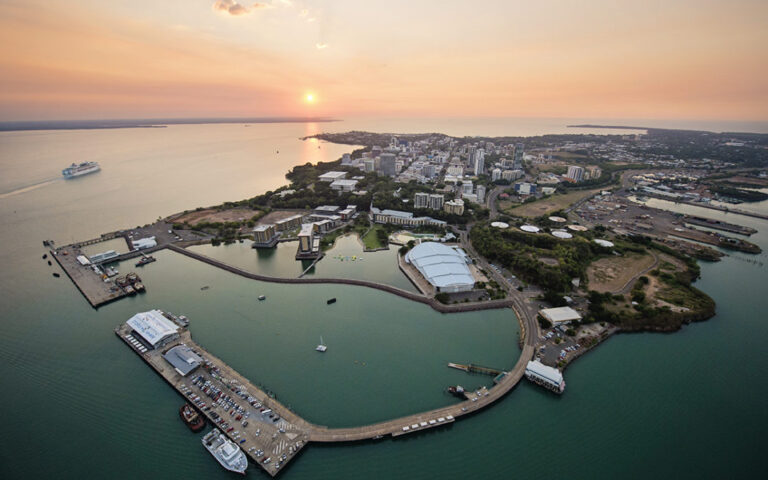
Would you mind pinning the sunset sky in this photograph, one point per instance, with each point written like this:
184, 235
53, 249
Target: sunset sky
190, 58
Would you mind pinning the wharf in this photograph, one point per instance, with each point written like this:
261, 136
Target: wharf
286, 436
91, 285
297, 432
719, 225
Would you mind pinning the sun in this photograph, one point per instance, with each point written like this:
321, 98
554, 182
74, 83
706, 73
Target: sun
309, 98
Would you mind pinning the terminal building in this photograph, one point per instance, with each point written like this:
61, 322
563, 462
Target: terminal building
444, 267
547, 377
183, 359
153, 328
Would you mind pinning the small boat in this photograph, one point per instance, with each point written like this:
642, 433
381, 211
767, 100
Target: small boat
49, 263
45, 255
262, 297
331, 300
194, 421
145, 260
322, 347
205, 287
56, 275
457, 391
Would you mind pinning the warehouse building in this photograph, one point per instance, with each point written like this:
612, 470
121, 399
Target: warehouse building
183, 359
153, 328
444, 267
560, 315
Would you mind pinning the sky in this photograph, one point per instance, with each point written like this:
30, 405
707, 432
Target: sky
682, 59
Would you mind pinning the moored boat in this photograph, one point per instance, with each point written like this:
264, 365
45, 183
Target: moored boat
194, 420
226, 452
145, 260
331, 300
457, 391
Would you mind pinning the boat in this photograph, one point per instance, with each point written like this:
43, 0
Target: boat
45, 255
194, 420
49, 263
331, 300
205, 287
56, 275
262, 297
225, 451
145, 260
322, 347
457, 391
111, 272
84, 168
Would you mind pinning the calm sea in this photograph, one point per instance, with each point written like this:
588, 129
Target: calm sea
77, 403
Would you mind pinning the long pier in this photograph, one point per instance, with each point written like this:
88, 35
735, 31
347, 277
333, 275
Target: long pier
285, 437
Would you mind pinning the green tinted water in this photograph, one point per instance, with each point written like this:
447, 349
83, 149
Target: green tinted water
77, 403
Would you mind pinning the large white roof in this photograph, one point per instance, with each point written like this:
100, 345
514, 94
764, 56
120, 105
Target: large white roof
544, 372
152, 326
560, 314
441, 265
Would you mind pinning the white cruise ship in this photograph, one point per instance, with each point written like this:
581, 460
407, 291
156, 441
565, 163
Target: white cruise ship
84, 168
225, 451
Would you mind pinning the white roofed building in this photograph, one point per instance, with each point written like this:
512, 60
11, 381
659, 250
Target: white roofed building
153, 328
560, 315
442, 266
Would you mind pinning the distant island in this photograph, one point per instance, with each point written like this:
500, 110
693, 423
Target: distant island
145, 123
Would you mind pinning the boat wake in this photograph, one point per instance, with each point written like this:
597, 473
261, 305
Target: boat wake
29, 188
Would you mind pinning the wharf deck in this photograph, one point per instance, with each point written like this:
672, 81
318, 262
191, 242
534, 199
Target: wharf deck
89, 283
297, 430
286, 436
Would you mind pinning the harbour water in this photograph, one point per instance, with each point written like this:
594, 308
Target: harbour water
77, 403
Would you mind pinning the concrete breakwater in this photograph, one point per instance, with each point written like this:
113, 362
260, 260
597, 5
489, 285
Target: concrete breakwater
440, 307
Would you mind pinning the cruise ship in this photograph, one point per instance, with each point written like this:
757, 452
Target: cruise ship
84, 168
225, 451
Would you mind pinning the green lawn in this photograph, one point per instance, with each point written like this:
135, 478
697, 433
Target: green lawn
371, 239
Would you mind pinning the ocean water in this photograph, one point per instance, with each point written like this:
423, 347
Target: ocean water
77, 403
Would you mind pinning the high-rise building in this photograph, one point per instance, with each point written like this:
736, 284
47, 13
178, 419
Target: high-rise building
592, 172
428, 170
369, 165
480, 192
519, 152
479, 162
511, 175
575, 173
387, 164
495, 174
467, 187
421, 200
436, 201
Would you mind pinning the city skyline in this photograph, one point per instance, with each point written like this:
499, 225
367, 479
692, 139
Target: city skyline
290, 58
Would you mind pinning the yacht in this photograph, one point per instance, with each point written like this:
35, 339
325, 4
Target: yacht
322, 347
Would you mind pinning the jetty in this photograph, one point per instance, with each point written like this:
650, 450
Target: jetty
284, 434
